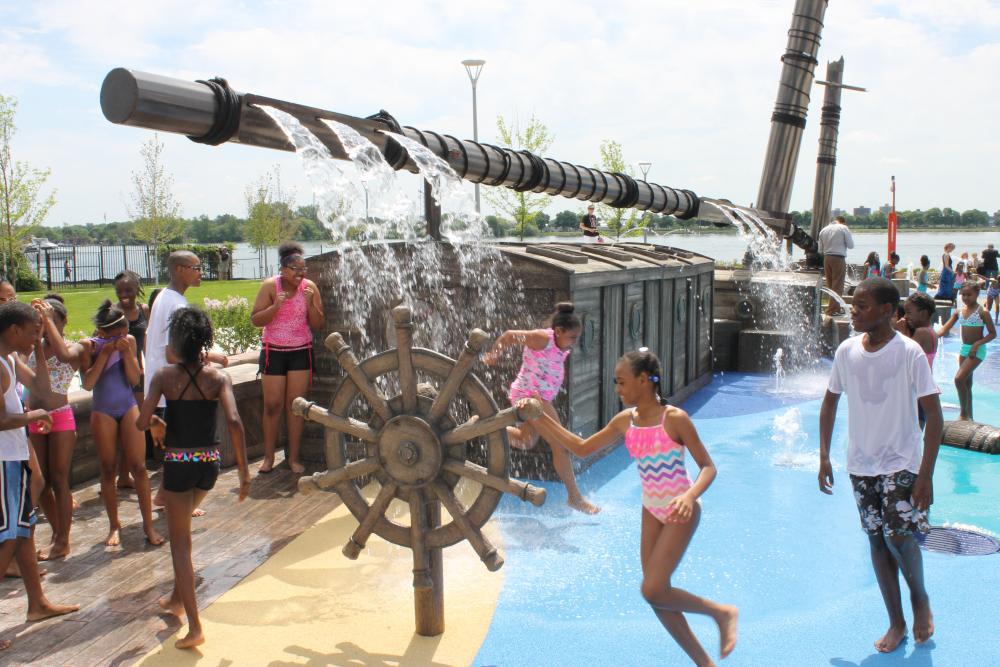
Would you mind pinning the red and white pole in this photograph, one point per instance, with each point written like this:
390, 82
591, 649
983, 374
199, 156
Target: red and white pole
892, 220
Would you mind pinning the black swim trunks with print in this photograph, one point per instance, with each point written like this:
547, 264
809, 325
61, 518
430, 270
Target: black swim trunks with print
885, 504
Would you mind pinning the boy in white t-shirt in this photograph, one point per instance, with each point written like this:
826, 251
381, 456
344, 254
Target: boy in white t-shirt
885, 375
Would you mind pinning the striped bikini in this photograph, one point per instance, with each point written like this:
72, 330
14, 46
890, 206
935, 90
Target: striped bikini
660, 460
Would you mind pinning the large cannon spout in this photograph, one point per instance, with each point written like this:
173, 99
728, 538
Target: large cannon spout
211, 112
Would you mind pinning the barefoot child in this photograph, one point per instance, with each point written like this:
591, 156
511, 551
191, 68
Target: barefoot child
20, 328
193, 392
54, 446
111, 370
918, 309
884, 375
657, 435
543, 367
972, 319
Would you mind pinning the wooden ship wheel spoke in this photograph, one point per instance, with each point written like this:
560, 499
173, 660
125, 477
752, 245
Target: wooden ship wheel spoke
414, 448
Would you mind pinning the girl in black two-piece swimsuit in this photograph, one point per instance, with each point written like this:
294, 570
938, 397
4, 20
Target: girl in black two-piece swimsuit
193, 392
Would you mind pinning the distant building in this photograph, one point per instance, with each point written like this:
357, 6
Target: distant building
862, 212
885, 208
837, 211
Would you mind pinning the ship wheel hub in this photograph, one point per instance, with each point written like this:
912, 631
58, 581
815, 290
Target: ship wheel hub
410, 451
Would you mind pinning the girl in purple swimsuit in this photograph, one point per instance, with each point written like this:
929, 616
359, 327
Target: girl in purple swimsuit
657, 436
543, 366
111, 370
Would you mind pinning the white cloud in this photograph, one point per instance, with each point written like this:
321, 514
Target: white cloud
687, 86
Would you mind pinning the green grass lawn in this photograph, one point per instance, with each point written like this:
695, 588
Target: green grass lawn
82, 302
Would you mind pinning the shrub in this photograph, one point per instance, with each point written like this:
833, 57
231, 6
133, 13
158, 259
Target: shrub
234, 332
25, 280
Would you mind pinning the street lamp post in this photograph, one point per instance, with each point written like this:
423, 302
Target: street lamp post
364, 186
474, 68
644, 168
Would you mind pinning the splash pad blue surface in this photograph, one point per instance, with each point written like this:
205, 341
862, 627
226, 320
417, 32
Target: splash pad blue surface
794, 560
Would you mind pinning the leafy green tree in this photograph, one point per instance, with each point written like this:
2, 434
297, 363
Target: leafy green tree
975, 218
22, 205
619, 221
154, 208
566, 220
523, 207
270, 217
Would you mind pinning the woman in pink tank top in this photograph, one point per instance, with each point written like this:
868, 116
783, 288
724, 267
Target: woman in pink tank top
658, 436
543, 367
289, 309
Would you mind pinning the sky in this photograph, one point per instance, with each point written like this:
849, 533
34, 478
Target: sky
687, 86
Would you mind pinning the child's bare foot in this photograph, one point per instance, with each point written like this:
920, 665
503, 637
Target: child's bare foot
154, 538
891, 640
297, 468
197, 511
114, 537
923, 622
267, 466
727, 621
4, 644
581, 504
125, 483
76, 503
171, 606
47, 610
54, 552
191, 640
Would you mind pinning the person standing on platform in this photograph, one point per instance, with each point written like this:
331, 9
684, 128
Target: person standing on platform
834, 241
990, 268
20, 478
288, 308
588, 223
185, 271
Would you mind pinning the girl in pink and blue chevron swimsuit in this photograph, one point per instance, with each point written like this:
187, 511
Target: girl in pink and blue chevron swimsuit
543, 367
657, 435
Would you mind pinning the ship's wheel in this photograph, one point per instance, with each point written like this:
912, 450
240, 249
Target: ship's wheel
414, 448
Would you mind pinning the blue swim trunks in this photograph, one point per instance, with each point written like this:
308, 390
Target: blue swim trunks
17, 513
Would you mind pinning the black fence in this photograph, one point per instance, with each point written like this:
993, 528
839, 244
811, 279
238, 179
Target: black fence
98, 264
69, 266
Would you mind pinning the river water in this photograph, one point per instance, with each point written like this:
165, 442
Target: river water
721, 247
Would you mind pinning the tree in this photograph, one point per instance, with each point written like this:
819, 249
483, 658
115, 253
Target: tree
566, 220
270, 216
154, 209
617, 220
521, 206
23, 205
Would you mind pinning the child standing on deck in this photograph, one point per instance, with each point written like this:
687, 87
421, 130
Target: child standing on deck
543, 367
657, 435
111, 370
885, 375
972, 319
20, 329
54, 446
193, 392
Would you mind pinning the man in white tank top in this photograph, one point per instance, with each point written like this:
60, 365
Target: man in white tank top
20, 326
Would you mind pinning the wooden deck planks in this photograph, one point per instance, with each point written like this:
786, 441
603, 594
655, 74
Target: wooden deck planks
117, 589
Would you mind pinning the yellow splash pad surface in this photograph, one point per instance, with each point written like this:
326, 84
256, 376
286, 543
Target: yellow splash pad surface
309, 605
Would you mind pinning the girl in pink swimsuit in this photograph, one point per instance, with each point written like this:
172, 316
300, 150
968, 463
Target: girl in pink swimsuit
657, 435
288, 307
543, 367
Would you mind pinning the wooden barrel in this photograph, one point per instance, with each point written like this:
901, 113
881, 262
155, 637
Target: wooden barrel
971, 435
